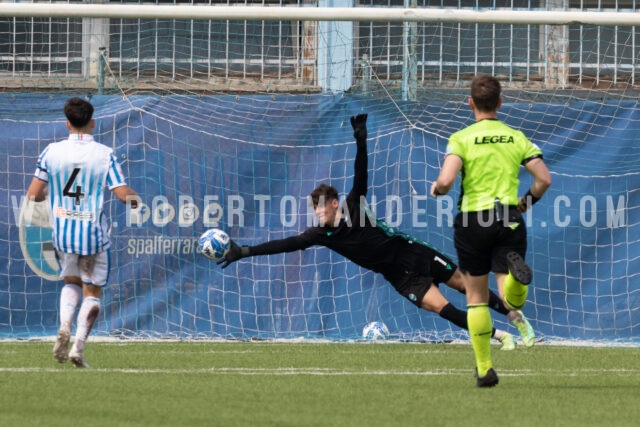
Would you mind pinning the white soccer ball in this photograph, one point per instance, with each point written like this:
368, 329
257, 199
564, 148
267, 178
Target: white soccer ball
375, 331
214, 244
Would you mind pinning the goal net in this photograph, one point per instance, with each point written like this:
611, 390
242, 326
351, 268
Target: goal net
230, 123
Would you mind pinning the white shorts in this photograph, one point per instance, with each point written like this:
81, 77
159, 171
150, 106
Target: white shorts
92, 269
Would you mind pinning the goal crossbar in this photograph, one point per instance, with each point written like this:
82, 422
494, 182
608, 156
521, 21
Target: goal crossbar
279, 13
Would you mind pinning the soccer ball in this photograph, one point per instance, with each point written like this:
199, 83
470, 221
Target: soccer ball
375, 331
214, 244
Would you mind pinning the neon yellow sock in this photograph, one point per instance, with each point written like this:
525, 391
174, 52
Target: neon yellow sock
515, 293
480, 328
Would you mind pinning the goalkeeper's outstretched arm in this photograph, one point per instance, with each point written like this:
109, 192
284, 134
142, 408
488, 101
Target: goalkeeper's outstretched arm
290, 244
360, 167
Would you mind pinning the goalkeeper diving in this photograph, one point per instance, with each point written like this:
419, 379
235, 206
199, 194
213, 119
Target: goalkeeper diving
413, 267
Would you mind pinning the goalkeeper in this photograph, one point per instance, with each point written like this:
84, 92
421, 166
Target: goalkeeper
413, 267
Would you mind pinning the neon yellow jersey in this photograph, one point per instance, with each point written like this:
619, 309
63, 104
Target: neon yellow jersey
491, 154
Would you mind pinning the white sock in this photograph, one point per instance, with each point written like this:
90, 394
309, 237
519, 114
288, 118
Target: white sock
70, 297
87, 316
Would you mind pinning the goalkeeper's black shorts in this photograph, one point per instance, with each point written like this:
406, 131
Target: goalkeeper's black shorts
435, 268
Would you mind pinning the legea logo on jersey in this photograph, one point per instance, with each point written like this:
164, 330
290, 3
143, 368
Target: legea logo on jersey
82, 216
36, 240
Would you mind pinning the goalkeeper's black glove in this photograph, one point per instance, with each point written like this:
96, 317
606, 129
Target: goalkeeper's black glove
359, 125
234, 253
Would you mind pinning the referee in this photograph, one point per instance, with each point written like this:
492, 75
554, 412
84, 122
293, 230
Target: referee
489, 231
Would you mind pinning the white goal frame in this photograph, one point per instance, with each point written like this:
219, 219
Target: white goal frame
279, 13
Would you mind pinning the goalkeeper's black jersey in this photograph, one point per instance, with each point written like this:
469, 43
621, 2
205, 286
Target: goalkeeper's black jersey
361, 238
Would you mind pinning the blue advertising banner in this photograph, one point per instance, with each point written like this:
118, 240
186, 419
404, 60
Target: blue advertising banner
246, 164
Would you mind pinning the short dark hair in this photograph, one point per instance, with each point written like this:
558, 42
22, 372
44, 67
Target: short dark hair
324, 191
78, 111
485, 92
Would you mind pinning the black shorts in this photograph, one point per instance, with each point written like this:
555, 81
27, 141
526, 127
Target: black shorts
434, 268
482, 242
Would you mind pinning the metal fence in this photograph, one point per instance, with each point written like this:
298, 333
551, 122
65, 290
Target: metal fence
175, 51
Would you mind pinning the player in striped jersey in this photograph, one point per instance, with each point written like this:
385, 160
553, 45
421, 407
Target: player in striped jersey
412, 266
77, 172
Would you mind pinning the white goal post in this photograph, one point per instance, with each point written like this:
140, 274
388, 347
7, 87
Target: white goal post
278, 13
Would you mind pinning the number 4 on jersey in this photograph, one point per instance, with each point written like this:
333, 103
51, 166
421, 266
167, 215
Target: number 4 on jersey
78, 194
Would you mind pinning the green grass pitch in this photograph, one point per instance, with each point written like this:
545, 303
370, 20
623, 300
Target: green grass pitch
316, 384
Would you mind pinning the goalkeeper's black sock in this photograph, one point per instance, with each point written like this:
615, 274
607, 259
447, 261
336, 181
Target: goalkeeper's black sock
458, 317
454, 315
495, 303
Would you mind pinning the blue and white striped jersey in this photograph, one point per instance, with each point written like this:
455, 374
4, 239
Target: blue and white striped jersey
79, 170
